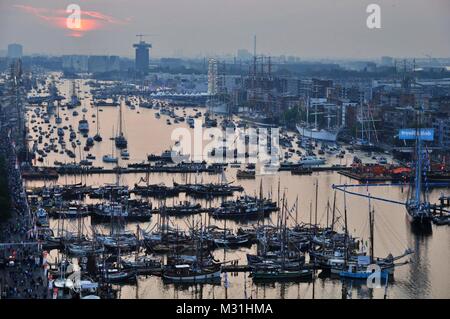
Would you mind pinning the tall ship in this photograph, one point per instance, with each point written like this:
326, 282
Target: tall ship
313, 130
329, 135
97, 136
366, 135
418, 207
74, 100
121, 141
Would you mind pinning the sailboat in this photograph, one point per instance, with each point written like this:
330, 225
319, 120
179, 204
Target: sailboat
58, 119
121, 141
282, 271
81, 245
364, 141
109, 158
196, 269
97, 136
362, 268
418, 207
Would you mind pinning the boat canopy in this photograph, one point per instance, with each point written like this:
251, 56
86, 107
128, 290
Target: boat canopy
182, 266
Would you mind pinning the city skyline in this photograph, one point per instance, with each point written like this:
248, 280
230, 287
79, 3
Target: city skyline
323, 29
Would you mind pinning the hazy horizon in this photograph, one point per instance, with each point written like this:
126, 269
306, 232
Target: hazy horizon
309, 29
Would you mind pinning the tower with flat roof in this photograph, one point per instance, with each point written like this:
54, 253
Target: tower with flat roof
142, 56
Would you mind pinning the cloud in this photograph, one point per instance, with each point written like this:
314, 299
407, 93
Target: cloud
90, 20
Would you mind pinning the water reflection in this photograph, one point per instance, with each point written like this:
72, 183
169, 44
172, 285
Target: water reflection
428, 275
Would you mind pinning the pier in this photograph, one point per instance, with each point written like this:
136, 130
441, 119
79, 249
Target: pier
54, 172
236, 268
49, 172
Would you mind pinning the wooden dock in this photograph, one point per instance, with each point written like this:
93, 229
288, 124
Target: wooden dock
366, 178
55, 172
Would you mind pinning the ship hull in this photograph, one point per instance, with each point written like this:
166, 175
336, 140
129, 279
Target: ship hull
320, 135
282, 275
418, 218
214, 276
362, 275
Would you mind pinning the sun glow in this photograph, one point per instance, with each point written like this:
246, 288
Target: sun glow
84, 22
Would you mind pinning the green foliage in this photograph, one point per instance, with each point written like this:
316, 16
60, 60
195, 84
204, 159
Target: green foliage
292, 115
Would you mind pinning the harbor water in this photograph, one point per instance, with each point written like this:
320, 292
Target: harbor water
427, 275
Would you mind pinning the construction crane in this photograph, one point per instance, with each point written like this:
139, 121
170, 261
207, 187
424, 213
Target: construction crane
141, 36
144, 35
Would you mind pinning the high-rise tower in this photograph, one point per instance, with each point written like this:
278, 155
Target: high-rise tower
142, 57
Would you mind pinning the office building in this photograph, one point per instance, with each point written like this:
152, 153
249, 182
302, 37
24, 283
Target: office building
142, 57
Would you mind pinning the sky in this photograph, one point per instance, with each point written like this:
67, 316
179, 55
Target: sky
303, 28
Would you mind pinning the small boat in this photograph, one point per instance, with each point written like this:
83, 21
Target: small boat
281, 275
71, 212
355, 272
115, 275
191, 274
84, 249
68, 289
89, 142
231, 240
124, 154
83, 126
121, 141
97, 138
143, 265
183, 209
110, 159
235, 165
123, 241
245, 174
311, 161
108, 211
42, 217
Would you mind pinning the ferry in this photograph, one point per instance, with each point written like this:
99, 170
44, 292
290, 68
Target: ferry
311, 161
110, 159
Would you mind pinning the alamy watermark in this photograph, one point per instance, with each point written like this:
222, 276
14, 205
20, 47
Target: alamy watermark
73, 21
374, 279
240, 145
374, 19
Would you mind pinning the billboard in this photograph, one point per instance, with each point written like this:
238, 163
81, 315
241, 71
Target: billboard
425, 134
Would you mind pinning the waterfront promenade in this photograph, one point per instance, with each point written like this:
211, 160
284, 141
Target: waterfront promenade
22, 274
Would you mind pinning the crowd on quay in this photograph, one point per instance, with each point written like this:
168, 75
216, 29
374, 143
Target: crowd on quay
22, 274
